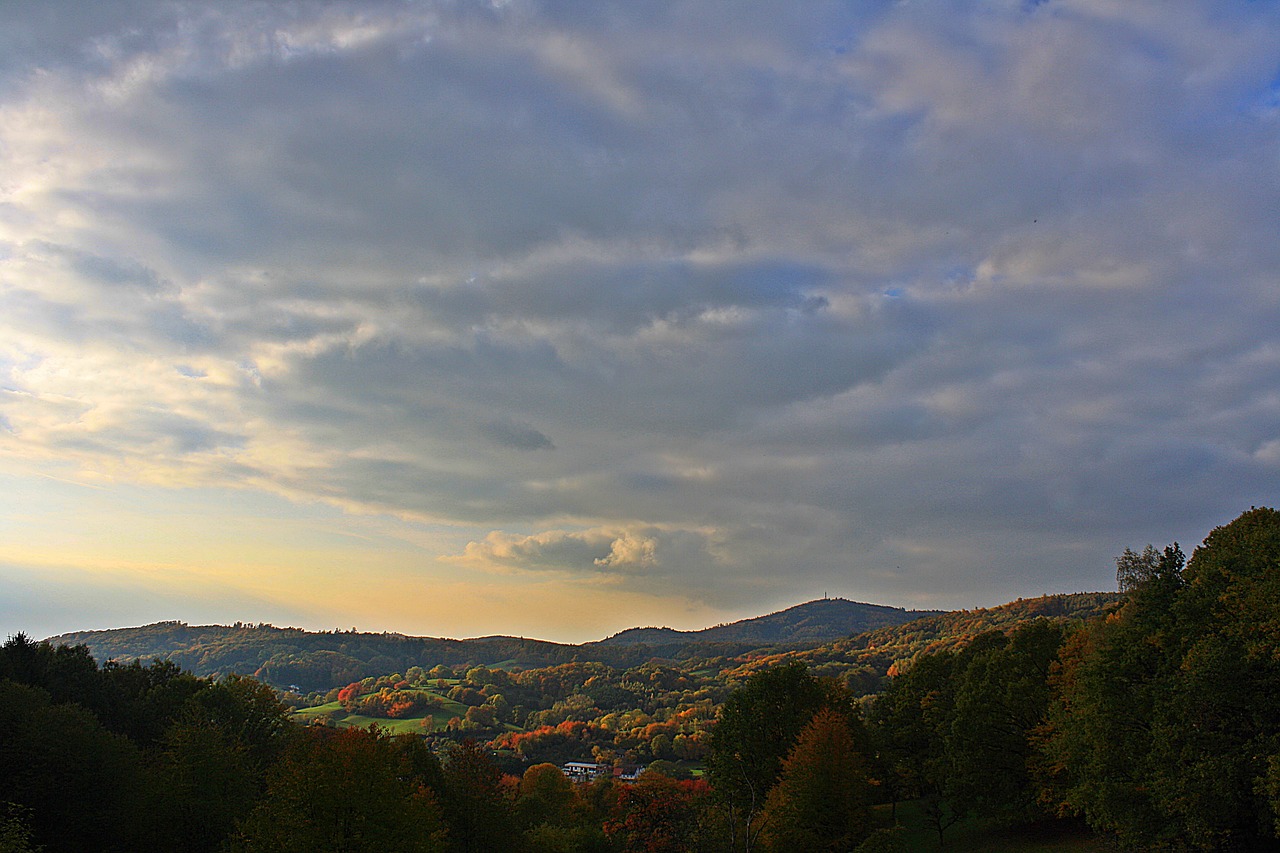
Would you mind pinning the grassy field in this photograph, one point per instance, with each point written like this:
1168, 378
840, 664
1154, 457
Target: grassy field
972, 837
440, 717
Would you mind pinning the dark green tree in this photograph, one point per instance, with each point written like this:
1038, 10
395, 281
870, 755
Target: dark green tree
248, 712
477, 807
1001, 702
84, 786
66, 673
15, 831
1164, 727
208, 784
349, 791
906, 727
913, 720
1219, 722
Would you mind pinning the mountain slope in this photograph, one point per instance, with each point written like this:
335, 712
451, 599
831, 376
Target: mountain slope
864, 659
817, 621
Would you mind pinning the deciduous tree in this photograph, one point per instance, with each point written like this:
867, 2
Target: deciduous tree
477, 807
757, 727
1165, 721
822, 802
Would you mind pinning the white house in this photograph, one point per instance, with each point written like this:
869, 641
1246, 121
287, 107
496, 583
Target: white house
585, 771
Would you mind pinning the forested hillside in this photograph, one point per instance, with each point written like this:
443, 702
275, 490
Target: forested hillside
318, 661
321, 660
862, 661
312, 660
814, 622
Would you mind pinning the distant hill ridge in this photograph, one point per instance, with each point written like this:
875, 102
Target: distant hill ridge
817, 621
829, 634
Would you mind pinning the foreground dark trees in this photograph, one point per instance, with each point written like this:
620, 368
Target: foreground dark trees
350, 790
154, 759
71, 776
1156, 724
1166, 729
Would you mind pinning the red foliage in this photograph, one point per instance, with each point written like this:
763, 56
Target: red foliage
534, 741
657, 815
393, 704
350, 692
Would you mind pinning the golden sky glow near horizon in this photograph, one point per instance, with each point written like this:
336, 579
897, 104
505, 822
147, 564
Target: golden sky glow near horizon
210, 555
556, 318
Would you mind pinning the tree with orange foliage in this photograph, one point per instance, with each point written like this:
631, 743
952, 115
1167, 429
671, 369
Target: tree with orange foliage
350, 693
822, 801
660, 815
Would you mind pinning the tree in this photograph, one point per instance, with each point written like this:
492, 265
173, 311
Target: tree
1098, 740
1099, 745
1164, 726
209, 781
655, 815
1220, 723
15, 831
249, 712
757, 727
554, 817
1134, 569
141, 702
85, 787
477, 807
349, 791
67, 673
546, 796
910, 721
822, 801
1001, 700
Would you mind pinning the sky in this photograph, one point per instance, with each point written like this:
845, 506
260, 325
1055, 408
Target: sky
551, 319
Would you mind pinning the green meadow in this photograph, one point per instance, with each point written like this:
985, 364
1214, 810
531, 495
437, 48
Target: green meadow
334, 714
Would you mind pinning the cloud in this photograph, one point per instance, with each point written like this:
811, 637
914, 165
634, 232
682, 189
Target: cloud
788, 301
645, 557
630, 550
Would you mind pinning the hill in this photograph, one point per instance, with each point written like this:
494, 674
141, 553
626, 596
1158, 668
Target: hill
812, 622
311, 660
830, 634
955, 628
320, 660
864, 660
